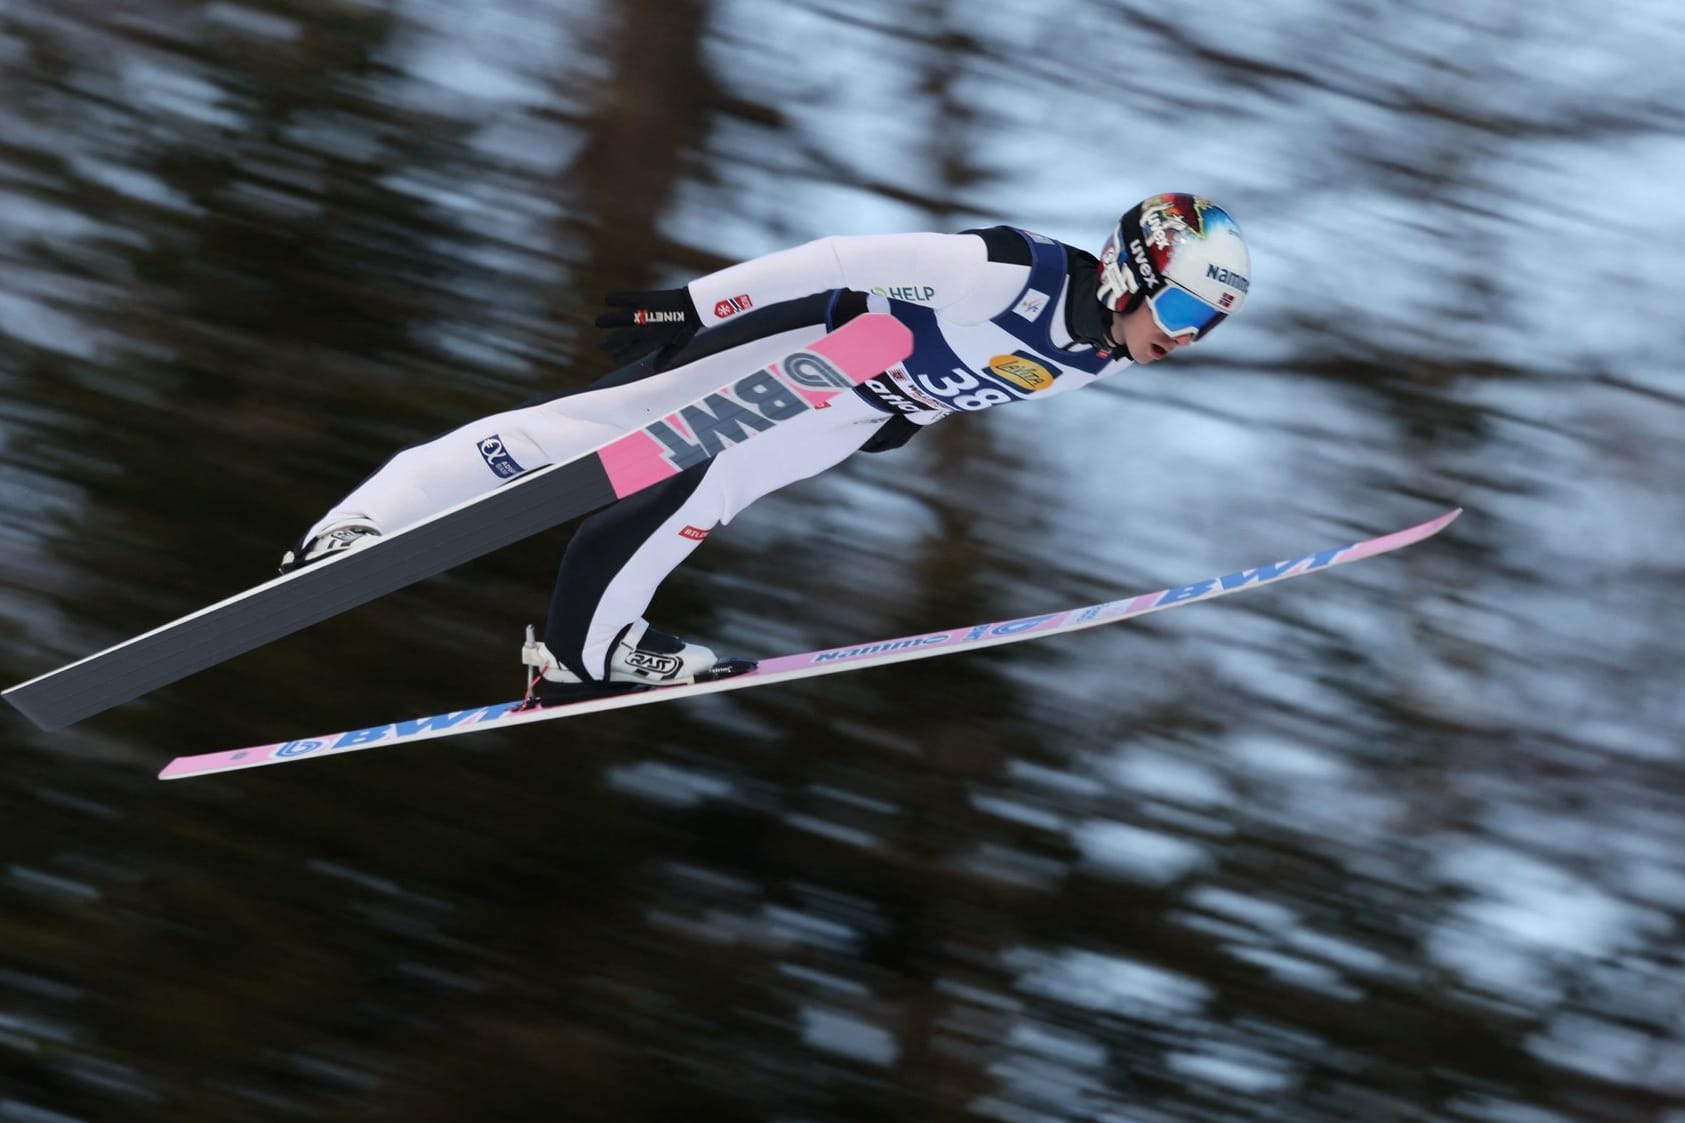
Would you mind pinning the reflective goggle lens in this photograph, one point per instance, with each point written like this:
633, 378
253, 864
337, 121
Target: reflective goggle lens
1179, 311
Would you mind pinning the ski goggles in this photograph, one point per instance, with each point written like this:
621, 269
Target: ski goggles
1179, 311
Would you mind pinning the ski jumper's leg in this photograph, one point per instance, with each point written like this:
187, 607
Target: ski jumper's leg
621, 554
425, 479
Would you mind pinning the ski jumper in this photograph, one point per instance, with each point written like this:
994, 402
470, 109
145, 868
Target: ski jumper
991, 313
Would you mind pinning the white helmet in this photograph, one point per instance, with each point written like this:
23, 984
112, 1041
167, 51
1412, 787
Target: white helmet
1181, 254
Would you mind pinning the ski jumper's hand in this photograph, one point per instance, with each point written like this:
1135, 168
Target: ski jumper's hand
661, 321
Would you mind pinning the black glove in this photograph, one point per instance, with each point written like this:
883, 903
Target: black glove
661, 321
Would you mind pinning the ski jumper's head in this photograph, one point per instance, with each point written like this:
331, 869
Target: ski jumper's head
1174, 268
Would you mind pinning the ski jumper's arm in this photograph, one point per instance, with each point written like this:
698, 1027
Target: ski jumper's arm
950, 273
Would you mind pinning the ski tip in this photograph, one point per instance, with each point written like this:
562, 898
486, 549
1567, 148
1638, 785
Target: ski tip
1429, 528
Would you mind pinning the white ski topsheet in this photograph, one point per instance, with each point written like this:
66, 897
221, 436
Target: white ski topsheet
784, 668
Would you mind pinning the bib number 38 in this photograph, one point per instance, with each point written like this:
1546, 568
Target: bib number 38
956, 388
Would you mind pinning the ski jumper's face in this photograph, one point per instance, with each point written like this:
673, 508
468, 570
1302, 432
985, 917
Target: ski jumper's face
1143, 338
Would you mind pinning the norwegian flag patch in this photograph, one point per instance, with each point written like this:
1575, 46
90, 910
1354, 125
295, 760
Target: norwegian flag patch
731, 306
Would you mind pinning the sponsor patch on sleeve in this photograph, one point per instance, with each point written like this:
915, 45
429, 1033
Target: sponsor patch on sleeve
732, 305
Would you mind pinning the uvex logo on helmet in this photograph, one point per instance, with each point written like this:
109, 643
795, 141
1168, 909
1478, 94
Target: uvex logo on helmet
1175, 239
1143, 267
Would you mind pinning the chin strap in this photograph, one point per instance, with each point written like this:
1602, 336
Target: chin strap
1118, 346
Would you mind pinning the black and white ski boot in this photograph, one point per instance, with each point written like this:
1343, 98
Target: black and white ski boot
640, 658
333, 539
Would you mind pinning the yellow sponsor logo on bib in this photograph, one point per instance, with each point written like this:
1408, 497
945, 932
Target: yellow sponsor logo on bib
1020, 371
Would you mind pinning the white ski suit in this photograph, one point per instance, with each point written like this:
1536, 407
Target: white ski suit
998, 316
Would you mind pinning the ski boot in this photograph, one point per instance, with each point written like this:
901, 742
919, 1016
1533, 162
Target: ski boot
640, 658
336, 538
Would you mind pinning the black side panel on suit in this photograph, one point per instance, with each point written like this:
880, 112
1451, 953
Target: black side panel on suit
892, 434
599, 550
1005, 244
849, 305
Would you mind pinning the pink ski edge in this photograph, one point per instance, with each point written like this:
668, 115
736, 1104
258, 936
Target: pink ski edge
789, 667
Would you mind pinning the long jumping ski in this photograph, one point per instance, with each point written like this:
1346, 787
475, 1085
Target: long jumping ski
790, 383
508, 714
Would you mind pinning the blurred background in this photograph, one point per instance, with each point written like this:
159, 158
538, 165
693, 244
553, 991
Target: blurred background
1405, 841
